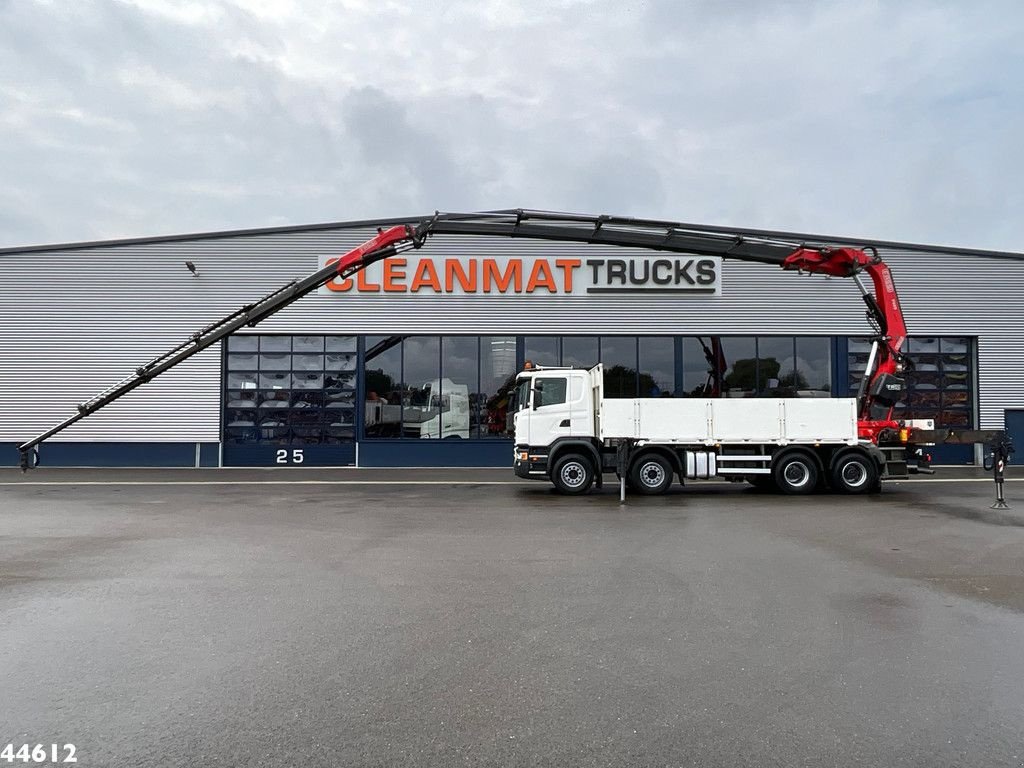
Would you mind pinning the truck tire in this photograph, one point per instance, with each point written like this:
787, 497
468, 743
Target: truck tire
795, 472
854, 472
573, 474
650, 474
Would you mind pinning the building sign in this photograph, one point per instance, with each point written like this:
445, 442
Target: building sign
550, 276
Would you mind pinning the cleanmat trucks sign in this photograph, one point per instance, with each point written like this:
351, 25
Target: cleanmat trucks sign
551, 276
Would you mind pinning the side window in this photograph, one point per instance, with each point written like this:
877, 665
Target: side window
552, 391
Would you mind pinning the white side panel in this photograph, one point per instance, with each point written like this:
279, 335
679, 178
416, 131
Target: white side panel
766, 420
791, 420
658, 420
738, 421
820, 420
618, 419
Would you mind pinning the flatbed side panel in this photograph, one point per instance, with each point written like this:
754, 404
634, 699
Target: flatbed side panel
658, 420
825, 420
733, 421
747, 420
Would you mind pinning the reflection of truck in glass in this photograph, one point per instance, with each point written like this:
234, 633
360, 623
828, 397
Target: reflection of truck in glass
439, 409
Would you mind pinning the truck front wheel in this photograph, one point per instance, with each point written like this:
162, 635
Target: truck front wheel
854, 473
573, 474
795, 472
651, 474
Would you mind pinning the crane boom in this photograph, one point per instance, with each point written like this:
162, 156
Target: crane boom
876, 401
880, 389
386, 243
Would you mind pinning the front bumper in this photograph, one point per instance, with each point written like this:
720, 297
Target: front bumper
530, 464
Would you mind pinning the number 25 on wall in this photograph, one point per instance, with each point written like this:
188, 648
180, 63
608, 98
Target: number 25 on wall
284, 458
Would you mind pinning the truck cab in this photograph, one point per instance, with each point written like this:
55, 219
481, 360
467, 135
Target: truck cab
554, 407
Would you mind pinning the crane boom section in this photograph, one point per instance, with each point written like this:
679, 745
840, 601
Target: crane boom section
386, 243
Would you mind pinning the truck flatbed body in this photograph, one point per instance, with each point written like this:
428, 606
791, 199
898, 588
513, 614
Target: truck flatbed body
707, 421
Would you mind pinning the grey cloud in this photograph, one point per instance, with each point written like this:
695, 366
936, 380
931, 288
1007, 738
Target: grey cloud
895, 120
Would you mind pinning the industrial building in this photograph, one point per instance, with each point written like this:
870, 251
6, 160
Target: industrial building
410, 363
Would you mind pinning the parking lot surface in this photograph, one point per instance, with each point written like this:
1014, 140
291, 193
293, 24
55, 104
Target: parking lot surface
461, 617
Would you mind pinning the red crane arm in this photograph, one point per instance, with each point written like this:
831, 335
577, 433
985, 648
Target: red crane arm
379, 247
880, 392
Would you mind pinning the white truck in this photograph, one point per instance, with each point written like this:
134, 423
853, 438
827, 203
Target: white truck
439, 409
568, 432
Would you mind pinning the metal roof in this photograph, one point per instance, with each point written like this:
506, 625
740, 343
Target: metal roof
363, 223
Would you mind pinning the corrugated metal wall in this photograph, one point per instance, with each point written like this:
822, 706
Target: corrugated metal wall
73, 322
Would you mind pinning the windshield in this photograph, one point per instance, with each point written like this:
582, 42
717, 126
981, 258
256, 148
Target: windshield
522, 394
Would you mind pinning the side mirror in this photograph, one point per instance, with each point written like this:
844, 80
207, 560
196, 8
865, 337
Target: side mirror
538, 387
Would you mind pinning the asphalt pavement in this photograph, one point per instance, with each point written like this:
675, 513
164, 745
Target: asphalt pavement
462, 617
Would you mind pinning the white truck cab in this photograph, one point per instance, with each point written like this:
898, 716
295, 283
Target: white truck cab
567, 432
438, 409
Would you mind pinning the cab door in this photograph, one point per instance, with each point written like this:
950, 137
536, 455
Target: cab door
549, 412
581, 405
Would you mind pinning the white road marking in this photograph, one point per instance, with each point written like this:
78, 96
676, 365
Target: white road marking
266, 482
411, 482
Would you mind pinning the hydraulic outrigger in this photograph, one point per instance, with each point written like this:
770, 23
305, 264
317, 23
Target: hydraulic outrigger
881, 387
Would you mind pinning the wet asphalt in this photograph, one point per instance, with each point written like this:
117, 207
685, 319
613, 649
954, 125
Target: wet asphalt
349, 621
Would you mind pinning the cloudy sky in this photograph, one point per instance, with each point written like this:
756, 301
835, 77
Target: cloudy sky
896, 120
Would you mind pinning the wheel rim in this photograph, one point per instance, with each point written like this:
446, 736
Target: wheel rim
652, 474
854, 474
797, 474
573, 474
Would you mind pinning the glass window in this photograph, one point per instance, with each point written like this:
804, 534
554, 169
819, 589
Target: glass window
421, 380
497, 378
243, 343
341, 344
241, 381
313, 344
308, 381
701, 373
243, 362
551, 391
541, 350
777, 372
460, 370
956, 344
813, 364
275, 343
275, 380
740, 358
657, 372
522, 395
922, 344
579, 351
288, 399
340, 361
307, 362
383, 386
275, 361
618, 354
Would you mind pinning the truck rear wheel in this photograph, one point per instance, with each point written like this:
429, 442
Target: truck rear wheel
573, 474
854, 472
651, 474
795, 473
